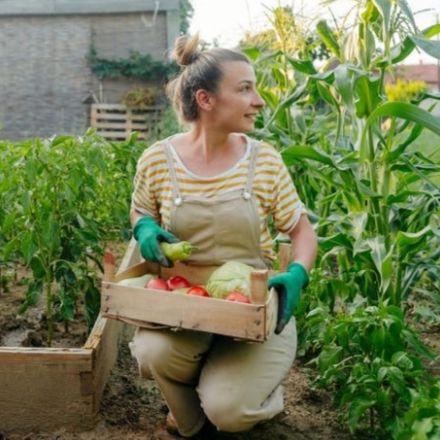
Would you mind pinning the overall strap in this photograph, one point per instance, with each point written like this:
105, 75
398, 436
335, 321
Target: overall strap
252, 164
177, 197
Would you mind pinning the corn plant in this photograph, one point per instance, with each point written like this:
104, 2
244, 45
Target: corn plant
373, 197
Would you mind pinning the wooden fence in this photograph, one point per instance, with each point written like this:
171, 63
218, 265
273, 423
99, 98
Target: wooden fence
117, 122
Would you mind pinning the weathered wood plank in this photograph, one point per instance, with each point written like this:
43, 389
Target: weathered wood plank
271, 313
122, 107
126, 125
131, 257
74, 358
117, 135
104, 343
45, 396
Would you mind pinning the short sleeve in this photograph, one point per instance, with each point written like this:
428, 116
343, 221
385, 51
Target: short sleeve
143, 198
287, 206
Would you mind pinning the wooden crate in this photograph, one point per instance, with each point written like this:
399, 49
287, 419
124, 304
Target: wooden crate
43, 389
137, 305
117, 122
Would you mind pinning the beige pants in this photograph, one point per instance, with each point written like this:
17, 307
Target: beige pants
234, 383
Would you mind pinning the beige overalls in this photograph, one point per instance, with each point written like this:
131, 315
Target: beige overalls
234, 383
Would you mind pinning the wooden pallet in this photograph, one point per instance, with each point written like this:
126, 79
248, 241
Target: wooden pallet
117, 122
139, 306
43, 389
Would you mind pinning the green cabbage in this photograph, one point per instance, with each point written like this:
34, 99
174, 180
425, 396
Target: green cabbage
231, 276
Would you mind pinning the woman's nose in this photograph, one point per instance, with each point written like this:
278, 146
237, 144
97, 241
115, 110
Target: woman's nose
258, 101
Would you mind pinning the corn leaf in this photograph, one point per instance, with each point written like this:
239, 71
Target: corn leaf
382, 260
326, 94
406, 9
328, 38
292, 154
287, 102
400, 149
368, 95
384, 8
408, 239
344, 86
402, 110
303, 66
252, 52
431, 47
404, 49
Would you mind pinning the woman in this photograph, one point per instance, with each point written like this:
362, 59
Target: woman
216, 188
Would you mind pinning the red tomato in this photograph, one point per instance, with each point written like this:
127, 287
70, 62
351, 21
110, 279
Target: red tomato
157, 284
198, 290
237, 297
177, 282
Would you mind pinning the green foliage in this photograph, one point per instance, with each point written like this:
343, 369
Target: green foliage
140, 97
371, 361
375, 201
137, 65
62, 199
422, 420
186, 12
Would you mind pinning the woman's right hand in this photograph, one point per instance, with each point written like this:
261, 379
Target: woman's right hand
149, 235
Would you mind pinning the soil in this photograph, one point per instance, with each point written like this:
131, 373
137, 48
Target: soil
133, 408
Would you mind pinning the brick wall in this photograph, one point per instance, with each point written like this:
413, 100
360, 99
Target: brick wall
44, 76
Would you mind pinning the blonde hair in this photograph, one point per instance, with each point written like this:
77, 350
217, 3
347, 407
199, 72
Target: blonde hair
201, 69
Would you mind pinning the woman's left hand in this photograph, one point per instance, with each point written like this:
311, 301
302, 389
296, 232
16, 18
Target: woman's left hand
288, 286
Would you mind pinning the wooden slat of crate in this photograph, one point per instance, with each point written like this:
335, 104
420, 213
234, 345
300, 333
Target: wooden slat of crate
111, 117
136, 305
122, 108
119, 125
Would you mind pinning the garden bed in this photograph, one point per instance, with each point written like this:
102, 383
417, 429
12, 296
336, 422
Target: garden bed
46, 388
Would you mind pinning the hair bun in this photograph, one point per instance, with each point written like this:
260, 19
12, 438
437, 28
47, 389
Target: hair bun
185, 50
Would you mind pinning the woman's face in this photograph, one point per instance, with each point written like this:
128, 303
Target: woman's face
236, 102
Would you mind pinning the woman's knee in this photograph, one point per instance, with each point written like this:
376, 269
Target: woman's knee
225, 409
151, 353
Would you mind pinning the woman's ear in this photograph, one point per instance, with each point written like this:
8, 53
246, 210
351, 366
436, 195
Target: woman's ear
205, 100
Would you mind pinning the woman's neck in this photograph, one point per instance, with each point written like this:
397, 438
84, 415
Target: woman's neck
207, 153
209, 145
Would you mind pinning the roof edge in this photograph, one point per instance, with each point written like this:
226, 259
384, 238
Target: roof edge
83, 7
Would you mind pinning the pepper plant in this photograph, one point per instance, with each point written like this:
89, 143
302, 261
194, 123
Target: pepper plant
64, 199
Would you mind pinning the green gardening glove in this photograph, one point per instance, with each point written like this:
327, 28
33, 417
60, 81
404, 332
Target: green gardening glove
288, 286
149, 235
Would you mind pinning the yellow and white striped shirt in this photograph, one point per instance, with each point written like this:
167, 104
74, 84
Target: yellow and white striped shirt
274, 191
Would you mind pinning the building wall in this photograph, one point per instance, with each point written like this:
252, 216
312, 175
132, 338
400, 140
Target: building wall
44, 75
